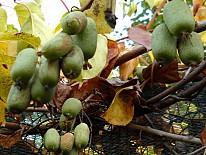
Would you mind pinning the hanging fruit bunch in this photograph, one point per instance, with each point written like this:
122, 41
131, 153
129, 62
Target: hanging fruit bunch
177, 34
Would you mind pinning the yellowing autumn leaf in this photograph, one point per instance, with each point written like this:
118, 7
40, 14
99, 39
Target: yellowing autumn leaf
121, 111
3, 20
29, 38
127, 68
5, 83
96, 12
3, 47
203, 36
2, 113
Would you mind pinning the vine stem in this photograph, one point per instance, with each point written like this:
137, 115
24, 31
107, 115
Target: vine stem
160, 133
65, 5
178, 85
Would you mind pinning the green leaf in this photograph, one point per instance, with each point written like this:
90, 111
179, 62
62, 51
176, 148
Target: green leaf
11, 28
29, 38
98, 61
24, 10
132, 8
37, 27
3, 20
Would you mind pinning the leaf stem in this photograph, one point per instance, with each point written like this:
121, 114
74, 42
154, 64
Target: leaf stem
65, 5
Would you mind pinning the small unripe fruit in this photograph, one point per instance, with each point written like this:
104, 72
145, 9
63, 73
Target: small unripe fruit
24, 66
67, 142
52, 140
190, 49
163, 44
65, 123
49, 72
81, 135
57, 47
71, 107
38, 92
18, 99
178, 17
72, 63
74, 22
87, 39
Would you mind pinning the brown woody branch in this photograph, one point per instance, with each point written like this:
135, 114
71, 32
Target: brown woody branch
140, 49
166, 134
183, 94
178, 85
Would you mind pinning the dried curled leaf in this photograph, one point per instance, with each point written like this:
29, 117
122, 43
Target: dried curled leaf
8, 140
121, 111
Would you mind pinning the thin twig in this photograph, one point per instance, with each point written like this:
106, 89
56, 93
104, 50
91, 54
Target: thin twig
155, 14
65, 5
197, 151
166, 134
178, 85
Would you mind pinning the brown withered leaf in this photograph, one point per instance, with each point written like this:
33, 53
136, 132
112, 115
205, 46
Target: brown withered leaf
121, 111
116, 82
6, 141
141, 35
89, 86
196, 5
61, 95
203, 136
127, 68
112, 56
162, 74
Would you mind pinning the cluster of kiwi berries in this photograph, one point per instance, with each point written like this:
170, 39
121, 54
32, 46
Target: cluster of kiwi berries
68, 141
177, 33
36, 78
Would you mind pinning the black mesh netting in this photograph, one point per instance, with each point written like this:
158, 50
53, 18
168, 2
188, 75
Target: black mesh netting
183, 118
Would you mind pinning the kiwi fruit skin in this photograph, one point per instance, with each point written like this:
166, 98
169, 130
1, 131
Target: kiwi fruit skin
190, 49
58, 46
74, 22
49, 72
24, 66
72, 63
87, 39
163, 44
178, 17
18, 99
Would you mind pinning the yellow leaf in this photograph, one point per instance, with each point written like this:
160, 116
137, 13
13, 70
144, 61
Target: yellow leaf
96, 12
5, 79
3, 47
203, 36
151, 56
29, 38
121, 111
2, 113
5, 83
